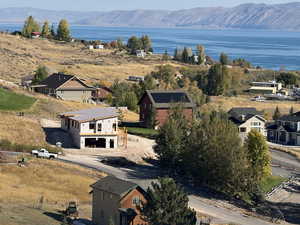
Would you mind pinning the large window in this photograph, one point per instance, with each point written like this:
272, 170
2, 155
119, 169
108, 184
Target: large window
92, 125
136, 201
243, 129
99, 127
114, 127
255, 124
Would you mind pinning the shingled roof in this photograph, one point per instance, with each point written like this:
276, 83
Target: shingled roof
56, 80
165, 99
295, 117
114, 185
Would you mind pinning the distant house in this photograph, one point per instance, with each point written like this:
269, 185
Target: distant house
100, 94
271, 87
247, 119
36, 34
118, 201
285, 130
99, 46
65, 87
91, 47
161, 102
92, 128
136, 78
140, 53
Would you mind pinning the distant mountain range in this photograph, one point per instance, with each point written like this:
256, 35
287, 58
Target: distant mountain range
254, 16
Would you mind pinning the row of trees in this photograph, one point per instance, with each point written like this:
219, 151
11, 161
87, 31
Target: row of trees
62, 33
209, 152
144, 43
186, 55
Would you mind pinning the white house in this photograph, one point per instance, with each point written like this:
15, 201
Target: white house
92, 128
99, 47
140, 53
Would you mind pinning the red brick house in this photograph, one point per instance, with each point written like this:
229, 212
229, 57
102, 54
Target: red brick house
118, 201
162, 101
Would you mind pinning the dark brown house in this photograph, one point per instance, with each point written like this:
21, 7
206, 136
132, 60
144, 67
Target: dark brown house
118, 201
101, 93
161, 102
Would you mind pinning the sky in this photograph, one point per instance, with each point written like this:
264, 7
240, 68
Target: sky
100, 5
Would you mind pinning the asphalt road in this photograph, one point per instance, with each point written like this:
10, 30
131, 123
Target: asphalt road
284, 165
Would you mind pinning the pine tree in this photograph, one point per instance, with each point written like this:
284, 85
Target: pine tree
46, 33
40, 74
258, 155
52, 32
167, 204
276, 114
130, 100
185, 56
224, 60
63, 32
30, 26
291, 110
201, 54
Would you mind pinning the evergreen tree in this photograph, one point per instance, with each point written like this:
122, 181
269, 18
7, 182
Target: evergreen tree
30, 26
224, 60
151, 120
53, 33
63, 31
134, 44
178, 54
276, 114
165, 56
167, 204
218, 79
291, 110
146, 43
201, 54
46, 33
40, 74
258, 155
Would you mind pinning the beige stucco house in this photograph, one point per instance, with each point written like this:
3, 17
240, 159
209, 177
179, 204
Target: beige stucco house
247, 119
92, 128
66, 87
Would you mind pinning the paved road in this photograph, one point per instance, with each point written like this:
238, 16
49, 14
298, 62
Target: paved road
286, 165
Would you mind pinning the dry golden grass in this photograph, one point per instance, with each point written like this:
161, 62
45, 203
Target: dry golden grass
226, 103
20, 57
57, 182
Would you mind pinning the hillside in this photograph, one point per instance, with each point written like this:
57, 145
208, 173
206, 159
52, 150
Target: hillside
19, 57
258, 16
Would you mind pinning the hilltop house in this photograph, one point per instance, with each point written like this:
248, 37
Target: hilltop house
92, 128
65, 87
271, 87
247, 119
140, 53
285, 130
161, 102
117, 200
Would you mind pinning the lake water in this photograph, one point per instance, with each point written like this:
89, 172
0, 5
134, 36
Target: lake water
269, 49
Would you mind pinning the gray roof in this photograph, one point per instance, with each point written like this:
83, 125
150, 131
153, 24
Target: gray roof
241, 114
166, 98
295, 117
114, 185
92, 114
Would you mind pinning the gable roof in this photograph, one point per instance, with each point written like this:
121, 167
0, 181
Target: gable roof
295, 117
165, 99
114, 185
56, 80
239, 115
281, 127
92, 114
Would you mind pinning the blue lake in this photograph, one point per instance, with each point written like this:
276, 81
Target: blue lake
269, 49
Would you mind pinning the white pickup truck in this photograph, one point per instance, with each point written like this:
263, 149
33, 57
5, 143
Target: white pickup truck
43, 153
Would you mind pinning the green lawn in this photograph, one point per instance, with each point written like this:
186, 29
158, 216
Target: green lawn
144, 132
270, 182
11, 101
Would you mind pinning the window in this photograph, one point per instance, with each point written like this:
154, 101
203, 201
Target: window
92, 126
136, 201
243, 129
255, 124
114, 127
100, 127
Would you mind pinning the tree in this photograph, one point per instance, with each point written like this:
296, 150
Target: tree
276, 114
63, 31
287, 78
291, 110
217, 80
258, 155
151, 121
131, 101
195, 93
120, 44
178, 54
171, 139
146, 43
185, 56
30, 26
167, 204
201, 54
165, 56
134, 44
224, 60
46, 33
40, 74
53, 33
165, 74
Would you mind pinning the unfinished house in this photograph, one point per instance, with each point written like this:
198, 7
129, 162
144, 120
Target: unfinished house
92, 128
117, 201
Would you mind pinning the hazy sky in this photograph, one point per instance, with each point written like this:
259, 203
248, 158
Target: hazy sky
99, 5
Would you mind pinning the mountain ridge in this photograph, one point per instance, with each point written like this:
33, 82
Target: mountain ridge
250, 15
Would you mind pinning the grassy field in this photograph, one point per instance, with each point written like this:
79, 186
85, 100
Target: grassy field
270, 182
56, 182
144, 132
12, 101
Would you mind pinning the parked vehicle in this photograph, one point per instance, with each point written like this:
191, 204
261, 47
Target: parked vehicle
258, 99
43, 153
